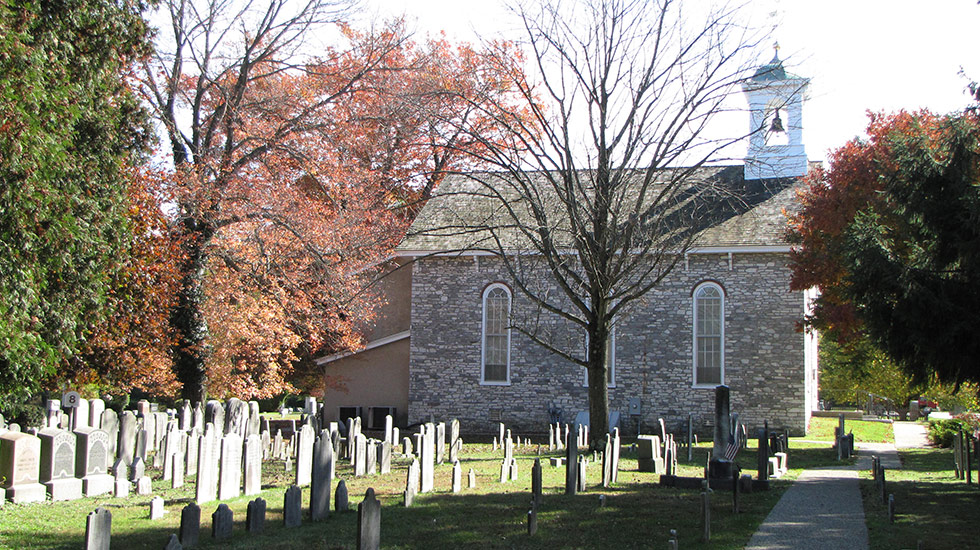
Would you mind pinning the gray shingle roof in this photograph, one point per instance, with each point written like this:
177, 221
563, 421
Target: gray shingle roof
751, 214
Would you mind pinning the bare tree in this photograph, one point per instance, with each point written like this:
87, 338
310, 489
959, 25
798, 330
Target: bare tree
600, 186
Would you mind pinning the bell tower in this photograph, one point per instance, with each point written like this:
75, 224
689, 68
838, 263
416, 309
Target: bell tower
776, 110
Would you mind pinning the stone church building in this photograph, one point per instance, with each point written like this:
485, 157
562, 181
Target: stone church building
724, 315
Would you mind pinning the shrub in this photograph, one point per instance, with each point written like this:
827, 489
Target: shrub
942, 432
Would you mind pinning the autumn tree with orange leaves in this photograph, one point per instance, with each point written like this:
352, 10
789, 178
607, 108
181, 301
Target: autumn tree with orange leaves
890, 236
295, 174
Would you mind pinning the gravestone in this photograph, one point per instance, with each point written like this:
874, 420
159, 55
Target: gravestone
340, 501
95, 409
119, 474
369, 522
532, 522
395, 436
412, 482
79, 415
206, 483
138, 470
126, 444
255, 516
169, 446
359, 454
173, 543
292, 508
161, 420
455, 449
98, 529
253, 424
230, 482
583, 464
321, 478
214, 413
20, 457
144, 486
551, 437
720, 466
177, 473
571, 469
253, 465
190, 525
52, 414
389, 429
763, 454
191, 451
607, 460
440, 442
513, 469
143, 407
92, 461
110, 425
236, 417
472, 479
185, 416
156, 508
149, 436
142, 436
198, 419
457, 477
222, 521
616, 448
385, 457
57, 470
427, 458
407, 446
304, 456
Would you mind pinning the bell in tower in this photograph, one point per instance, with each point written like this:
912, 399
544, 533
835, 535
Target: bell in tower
776, 147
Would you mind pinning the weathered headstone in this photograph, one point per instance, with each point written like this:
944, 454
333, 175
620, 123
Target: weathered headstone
253, 424
721, 466
457, 477
52, 417
321, 478
440, 442
110, 425
121, 483
536, 483
177, 470
206, 488
230, 482
412, 482
384, 457
236, 417
173, 543
255, 516
370, 457
79, 415
341, 502
92, 461
389, 429
156, 508
571, 469
292, 509
57, 472
583, 464
95, 409
427, 458
191, 451
144, 486
20, 455
705, 516
253, 465
98, 529
214, 413
126, 442
532, 522
190, 525
222, 521
369, 522
304, 457
607, 460
138, 470
407, 446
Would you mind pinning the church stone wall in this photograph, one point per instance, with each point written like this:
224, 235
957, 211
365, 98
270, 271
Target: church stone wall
764, 354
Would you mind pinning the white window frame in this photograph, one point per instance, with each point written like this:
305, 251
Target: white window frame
483, 336
694, 334
611, 351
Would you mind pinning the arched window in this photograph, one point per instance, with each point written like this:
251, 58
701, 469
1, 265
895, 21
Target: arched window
496, 335
709, 335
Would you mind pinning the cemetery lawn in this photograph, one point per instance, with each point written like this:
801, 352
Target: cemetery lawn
931, 505
866, 431
639, 513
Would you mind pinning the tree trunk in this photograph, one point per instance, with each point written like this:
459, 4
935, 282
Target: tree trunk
598, 391
187, 320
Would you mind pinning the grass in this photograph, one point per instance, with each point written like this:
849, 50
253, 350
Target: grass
639, 513
822, 429
931, 505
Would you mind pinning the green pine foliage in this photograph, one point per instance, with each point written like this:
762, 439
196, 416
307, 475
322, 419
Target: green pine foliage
68, 125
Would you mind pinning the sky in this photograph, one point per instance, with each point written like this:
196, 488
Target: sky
860, 55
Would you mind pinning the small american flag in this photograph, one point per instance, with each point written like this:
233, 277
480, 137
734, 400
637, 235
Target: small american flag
733, 446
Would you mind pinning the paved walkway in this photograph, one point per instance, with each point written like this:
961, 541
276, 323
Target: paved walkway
822, 509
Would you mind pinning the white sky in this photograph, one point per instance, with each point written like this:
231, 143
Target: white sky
859, 54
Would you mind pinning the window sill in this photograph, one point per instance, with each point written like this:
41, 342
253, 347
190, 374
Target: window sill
706, 386
484, 383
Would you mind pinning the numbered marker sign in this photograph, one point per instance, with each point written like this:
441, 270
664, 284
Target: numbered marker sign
70, 399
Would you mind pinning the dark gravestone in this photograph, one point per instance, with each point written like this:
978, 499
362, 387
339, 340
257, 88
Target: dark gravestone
571, 469
221, 522
536, 488
340, 503
763, 454
255, 516
320, 479
190, 525
292, 508
532, 522
98, 529
369, 522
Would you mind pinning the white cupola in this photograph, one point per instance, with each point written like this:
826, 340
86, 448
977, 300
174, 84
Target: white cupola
776, 109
